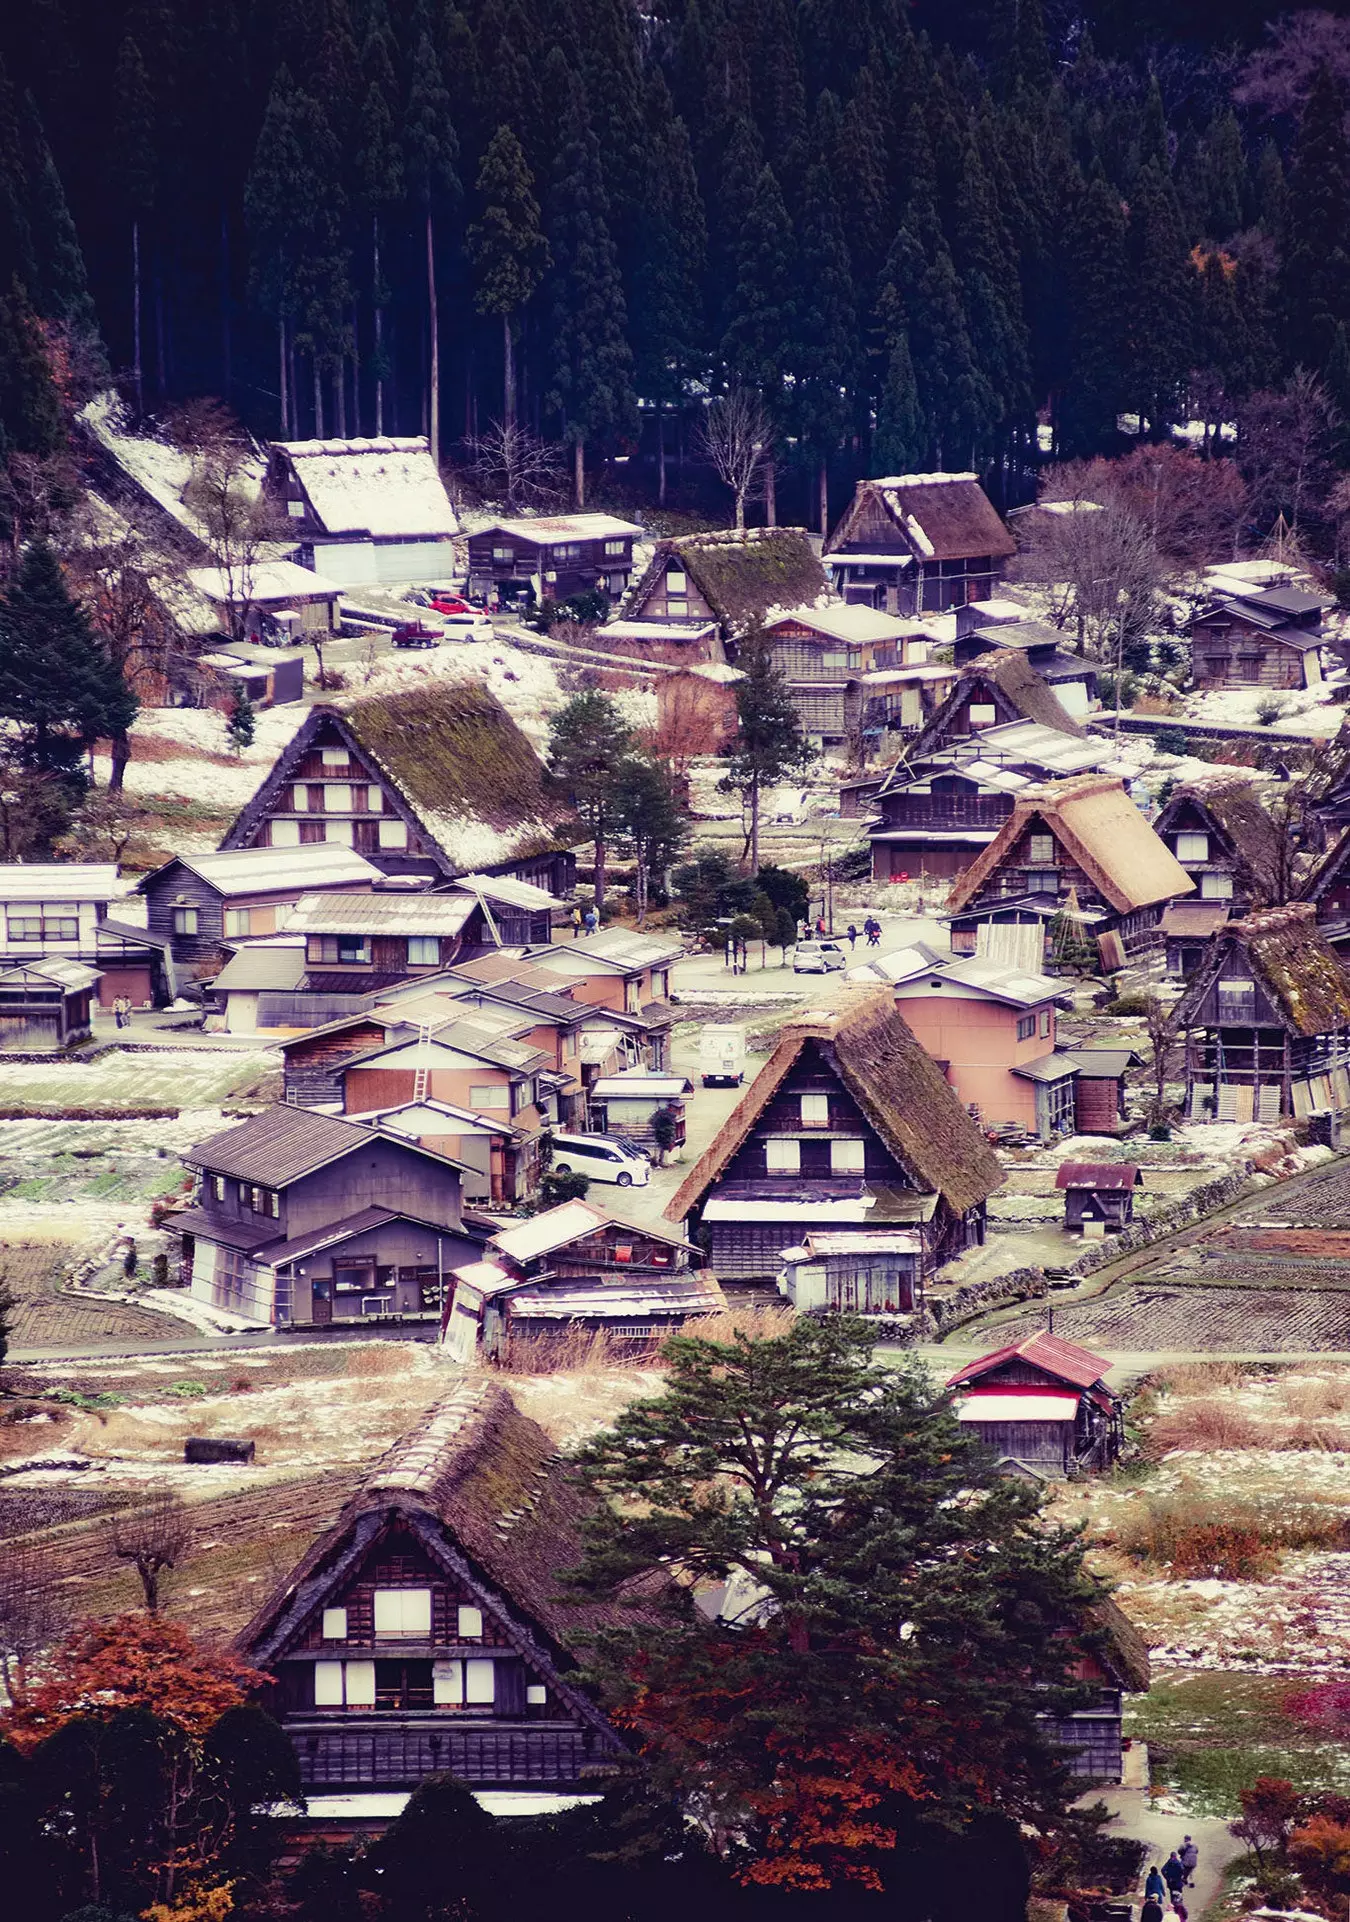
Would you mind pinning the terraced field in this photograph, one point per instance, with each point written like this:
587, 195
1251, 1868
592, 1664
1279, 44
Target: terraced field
123, 1078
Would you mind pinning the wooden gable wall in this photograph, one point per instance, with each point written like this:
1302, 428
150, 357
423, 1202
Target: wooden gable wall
781, 1118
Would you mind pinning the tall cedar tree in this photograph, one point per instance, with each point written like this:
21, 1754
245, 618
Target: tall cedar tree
648, 812
1096, 391
137, 178
1163, 296
897, 1615
827, 343
770, 744
591, 391
431, 160
762, 316
507, 246
56, 685
30, 407
667, 303
1316, 271
588, 743
379, 179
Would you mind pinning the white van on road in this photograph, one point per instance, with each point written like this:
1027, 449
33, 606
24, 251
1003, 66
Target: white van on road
601, 1158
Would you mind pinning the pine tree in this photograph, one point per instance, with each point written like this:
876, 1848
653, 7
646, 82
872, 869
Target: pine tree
826, 353
1163, 295
1095, 393
56, 684
431, 158
507, 246
901, 443
1316, 265
770, 743
667, 309
379, 188
137, 176
589, 745
591, 363
761, 320
30, 406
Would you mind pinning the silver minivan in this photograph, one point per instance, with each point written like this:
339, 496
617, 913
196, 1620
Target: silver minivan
601, 1158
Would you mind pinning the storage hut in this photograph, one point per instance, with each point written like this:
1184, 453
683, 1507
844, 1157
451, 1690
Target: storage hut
626, 1105
1041, 1404
1098, 1192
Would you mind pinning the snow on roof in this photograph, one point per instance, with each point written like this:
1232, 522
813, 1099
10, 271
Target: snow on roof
844, 1241
554, 1228
547, 528
394, 914
850, 621
691, 631
266, 581
260, 870
510, 892
729, 1208
637, 1084
59, 881
378, 487
63, 974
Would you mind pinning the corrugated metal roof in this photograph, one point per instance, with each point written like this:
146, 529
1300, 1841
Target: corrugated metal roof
265, 967
397, 914
72, 975
1064, 1359
564, 527
636, 1083
59, 881
1105, 1175
273, 870
510, 892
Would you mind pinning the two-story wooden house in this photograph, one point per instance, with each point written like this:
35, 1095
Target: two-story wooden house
1082, 840
1042, 1403
984, 626
850, 1125
936, 811
700, 592
302, 1219
58, 911
918, 544
438, 782
1228, 844
424, 1633
1267, 1021
551, 557
831, 659
199, 902
1262, 637
575, 1271
363, 512
1328, 888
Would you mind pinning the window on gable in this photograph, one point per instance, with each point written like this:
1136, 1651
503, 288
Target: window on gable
402, 1612
848, 1157
335, 1625
1216, 887
1042, 849
185, 920
982, 713
782, 1157
815, 1111
1192, 847
335, 757
470, 1623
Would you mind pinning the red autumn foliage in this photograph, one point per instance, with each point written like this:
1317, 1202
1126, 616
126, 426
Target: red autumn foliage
130, 1661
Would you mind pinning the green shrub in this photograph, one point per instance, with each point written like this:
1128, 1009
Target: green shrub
1131, 1003
1172, 740
1269, 710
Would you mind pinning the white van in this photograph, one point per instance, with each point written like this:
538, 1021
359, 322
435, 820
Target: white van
721, 1054
601, 1159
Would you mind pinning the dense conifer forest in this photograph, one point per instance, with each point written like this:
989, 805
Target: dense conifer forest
913, 234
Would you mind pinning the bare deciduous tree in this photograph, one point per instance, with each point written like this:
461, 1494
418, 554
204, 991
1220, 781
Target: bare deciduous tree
1293, 844
1160, 1024
122, 569
1100, 560
32, 1616
103, 827
510, 464
154, 1538
236, 520
736, 438
1285, 444
1278, 77
693, 719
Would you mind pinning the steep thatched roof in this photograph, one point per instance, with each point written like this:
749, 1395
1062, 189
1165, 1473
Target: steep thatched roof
454, 758
1100, 828
898, 1086
1234, 814
740, 573
941, 517
1121, 1649
1329, 870
474, 1478
1011, 683
1288, 956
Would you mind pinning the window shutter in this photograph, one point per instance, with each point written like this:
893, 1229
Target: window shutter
328, 1685
360, 1684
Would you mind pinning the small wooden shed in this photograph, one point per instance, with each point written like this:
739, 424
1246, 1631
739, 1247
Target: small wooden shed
625, 1105
1042, 1404
1098, 1191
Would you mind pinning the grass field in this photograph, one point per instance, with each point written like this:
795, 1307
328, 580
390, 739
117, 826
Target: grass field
178, 1078
1211, 1734
45, 1317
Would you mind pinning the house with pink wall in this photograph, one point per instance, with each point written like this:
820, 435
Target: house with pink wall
982, 1022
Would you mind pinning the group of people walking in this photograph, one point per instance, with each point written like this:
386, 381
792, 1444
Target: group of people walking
871, 928
1165, 1885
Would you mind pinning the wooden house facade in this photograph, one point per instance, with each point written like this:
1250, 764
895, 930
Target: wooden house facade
1328, 888
436, 783
1081, 839
46, 1004
850, 1126
199, 902
853, 671
59, 911
1267, 1021
423, 1633
982, 627
552, 557
301, 1220
1226, 841
364, 512
1266, 637
918, 544
1042, 1403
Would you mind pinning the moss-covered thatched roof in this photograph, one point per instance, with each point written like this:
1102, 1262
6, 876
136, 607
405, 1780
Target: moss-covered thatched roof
741, 573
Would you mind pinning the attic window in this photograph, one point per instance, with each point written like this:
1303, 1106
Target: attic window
470, 1624
335, 1625
1192, 847
677, 581
983, 714
1042, 850
296, 510
402, 1612
782, 1157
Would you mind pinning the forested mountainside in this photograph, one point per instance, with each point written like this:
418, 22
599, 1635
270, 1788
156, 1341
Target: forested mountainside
910, 233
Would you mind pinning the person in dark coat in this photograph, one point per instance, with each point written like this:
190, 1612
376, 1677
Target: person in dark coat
1189, 1855
1174, 1875
1151, 1912
1155, 1889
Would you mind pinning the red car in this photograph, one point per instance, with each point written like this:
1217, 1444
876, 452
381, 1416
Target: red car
450, 604
416, 634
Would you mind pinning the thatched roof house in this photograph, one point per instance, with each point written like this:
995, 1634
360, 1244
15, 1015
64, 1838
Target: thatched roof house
425, 1631
438, 782
1083, 837
1006, 683
919, 543
730, 577
1222, 835
1267, 1015
849, 1124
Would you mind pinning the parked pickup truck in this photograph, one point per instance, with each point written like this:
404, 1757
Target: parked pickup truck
416, 634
